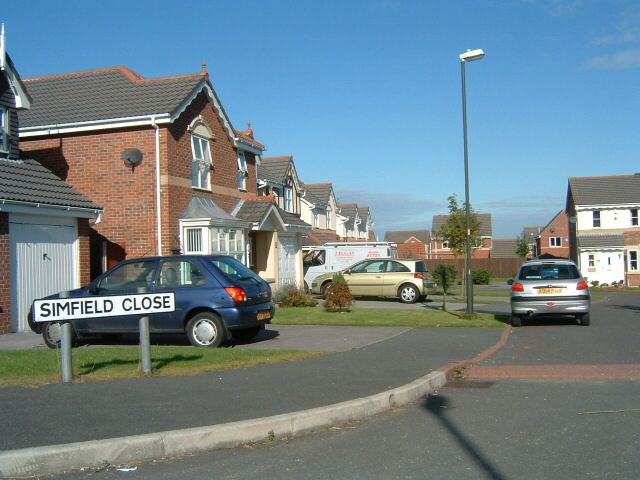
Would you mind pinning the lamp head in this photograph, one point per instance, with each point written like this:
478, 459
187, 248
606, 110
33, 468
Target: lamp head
471, 55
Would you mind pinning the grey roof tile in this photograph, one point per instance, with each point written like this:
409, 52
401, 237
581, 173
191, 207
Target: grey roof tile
205, 207
601, 240
620, 189
320, 192
349, 210
28, 181
103, 94
274, 169
401, 236
504, 248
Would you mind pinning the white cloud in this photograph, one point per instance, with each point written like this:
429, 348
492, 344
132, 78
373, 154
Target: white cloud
616, 61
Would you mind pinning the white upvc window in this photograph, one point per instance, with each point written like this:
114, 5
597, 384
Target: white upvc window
555, 241
445, 245
228, 241
201, 166
243, 171
592, 260
288, 199
193, 242
4, 129
315, 219
633, 260
634, 217
328, 222
596, 219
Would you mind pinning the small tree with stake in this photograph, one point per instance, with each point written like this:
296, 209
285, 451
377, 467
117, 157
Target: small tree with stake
445, 275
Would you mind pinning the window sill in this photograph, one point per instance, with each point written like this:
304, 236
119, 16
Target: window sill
201, 189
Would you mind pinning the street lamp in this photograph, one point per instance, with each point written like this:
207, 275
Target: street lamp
468, 56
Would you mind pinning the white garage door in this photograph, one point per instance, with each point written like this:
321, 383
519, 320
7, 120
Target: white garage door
44, 260
288, 248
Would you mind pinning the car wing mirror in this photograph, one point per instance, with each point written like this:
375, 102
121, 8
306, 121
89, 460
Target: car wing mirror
510, 281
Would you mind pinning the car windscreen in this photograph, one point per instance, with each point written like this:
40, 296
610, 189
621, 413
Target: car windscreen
549, 272
234, 269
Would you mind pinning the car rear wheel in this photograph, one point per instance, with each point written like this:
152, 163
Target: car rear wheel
325, 288
52, 334
245, 334
515, 321
408, 294
205, 330
585, 319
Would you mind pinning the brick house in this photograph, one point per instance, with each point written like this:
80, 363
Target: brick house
440, 250
162, 158
44, 222
411, 243
553, 238
604, 227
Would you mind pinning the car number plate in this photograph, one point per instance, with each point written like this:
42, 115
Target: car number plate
264, 315
547, 291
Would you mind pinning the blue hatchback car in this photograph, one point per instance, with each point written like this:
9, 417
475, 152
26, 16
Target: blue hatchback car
216, 297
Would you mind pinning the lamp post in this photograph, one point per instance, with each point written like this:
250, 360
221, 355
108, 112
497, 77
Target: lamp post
468, 56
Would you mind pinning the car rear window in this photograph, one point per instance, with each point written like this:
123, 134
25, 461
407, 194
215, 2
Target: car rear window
233, 269
549, 272
421, 267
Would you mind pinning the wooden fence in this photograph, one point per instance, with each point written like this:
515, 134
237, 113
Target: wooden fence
497, 267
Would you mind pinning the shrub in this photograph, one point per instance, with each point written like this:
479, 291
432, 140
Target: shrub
339, 297
292, 296
481, 277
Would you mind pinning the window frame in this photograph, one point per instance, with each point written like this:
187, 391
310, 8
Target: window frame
555, 242
5, 138
328, 219
243, 171
632, 262
597, 221
591, 260
634, 217
288, 199
203, 163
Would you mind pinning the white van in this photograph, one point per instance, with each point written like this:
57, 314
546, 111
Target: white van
336, 256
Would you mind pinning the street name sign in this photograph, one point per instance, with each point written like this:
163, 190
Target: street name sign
58, 309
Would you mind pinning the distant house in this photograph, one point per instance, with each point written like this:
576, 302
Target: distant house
411, 243
44, 222
530, 235
440, 249
553, 238
349, 230
365, 228
320, 209
604, 227
504, 248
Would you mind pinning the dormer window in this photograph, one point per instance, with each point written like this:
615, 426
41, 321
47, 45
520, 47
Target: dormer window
328, 225
4, 129
243, 171
288, 199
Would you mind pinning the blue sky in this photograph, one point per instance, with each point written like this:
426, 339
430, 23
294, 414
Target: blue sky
367, 93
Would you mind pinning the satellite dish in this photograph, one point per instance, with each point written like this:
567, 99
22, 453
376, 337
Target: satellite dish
132, 157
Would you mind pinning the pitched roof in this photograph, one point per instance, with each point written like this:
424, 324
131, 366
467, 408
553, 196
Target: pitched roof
601, 240
401, 236
613, 190
483, 218
504, 248
204, 207
319, 193
319, 237
256, 210
27, 181
349, 210
109, 93
274, 169
531, 232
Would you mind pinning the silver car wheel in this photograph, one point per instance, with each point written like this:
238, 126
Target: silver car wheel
408, 294
205, 330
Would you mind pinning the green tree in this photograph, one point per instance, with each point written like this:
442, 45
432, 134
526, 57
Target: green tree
522, 249
454, 231
445, 274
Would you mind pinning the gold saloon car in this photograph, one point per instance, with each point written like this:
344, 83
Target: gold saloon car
408, 280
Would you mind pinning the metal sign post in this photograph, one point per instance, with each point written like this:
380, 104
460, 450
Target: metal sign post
65, 351
145, 350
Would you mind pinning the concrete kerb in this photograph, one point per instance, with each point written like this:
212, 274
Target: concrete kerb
139, 448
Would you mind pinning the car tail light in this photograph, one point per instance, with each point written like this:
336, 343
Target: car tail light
237, 294
582, 285
420, 276
517, 287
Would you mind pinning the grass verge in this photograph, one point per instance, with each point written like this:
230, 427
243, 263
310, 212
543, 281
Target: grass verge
40, 366
377, 317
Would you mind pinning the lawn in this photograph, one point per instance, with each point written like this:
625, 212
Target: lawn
41, 366
375, 317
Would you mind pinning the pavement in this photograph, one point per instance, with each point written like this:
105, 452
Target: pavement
369, 370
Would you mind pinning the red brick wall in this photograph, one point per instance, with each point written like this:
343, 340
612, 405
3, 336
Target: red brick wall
92, 163
559, 227
417, 250
5, 275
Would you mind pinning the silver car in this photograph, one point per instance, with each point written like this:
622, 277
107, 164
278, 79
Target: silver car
549, 288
